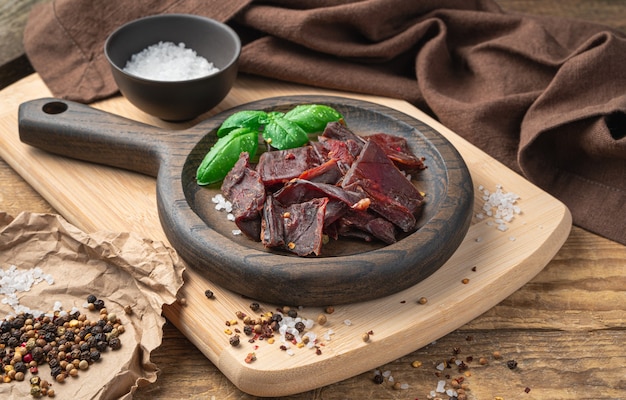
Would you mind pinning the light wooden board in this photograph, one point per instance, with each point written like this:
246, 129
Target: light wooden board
496, 263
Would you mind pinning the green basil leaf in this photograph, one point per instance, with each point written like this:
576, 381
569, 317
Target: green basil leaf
313, 118
243, 119
225, 153
282, 134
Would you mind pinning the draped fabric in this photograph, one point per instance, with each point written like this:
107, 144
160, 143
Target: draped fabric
544, 96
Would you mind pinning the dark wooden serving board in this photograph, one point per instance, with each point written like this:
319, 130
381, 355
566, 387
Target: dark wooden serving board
347, 271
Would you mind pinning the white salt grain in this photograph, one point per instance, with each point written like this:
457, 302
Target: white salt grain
500, 205
166, 61
441, 386
13, 281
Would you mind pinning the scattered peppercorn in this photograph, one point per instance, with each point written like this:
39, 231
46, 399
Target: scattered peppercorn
209, 294
423, 300
234, 340
365, 337
330, 310
511, 364
378, 379
465, 281
91, 298
98, 304
250, 358
255, 306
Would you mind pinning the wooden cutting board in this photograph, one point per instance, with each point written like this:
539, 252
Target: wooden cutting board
489, 265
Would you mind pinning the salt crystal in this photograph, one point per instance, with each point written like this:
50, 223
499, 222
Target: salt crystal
387, 373
166, 61
440, 366
451, 393
236, 232
347, 322
404, 386
440, 386
14, 280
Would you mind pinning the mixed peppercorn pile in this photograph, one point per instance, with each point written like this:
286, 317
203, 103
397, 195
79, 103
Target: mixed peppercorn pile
68, 342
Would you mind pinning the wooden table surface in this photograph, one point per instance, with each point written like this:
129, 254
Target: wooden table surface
566, 328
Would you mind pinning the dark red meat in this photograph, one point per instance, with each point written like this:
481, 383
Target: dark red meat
340, 186
280, 166
397, 149
272, 230
392, 195
304, 225
244, 189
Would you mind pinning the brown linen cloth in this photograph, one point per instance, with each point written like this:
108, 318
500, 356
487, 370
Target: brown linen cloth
545, 96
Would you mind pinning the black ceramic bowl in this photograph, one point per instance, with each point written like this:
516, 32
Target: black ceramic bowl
183, 99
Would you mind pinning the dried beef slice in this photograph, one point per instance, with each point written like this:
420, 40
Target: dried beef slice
245, 190
343, 185
393, 196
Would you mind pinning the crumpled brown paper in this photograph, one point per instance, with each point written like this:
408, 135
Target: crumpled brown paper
120, 268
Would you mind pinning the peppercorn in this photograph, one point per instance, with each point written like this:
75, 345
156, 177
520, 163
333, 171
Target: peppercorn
255, 306
209, 294
300, 326
330, 310
378, 379
234, 340
35, 391
511, 364
55, 371
292, 313
99, 304
115, 343
94, 355
91, 298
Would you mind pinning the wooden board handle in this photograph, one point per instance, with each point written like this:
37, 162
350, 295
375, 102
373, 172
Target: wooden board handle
79, 131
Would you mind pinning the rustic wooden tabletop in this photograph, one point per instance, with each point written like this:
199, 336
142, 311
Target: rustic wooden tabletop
565, 329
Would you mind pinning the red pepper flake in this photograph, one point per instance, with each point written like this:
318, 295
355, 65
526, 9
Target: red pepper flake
250, 357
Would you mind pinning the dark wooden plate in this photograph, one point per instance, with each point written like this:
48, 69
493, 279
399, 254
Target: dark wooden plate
347, 271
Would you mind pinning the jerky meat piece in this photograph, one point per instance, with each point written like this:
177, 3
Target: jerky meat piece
243, 187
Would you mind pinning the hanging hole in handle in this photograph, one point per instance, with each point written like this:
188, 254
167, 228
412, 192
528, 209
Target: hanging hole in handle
54, 107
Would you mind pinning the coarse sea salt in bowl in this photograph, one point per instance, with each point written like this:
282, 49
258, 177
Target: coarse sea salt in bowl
174, 66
